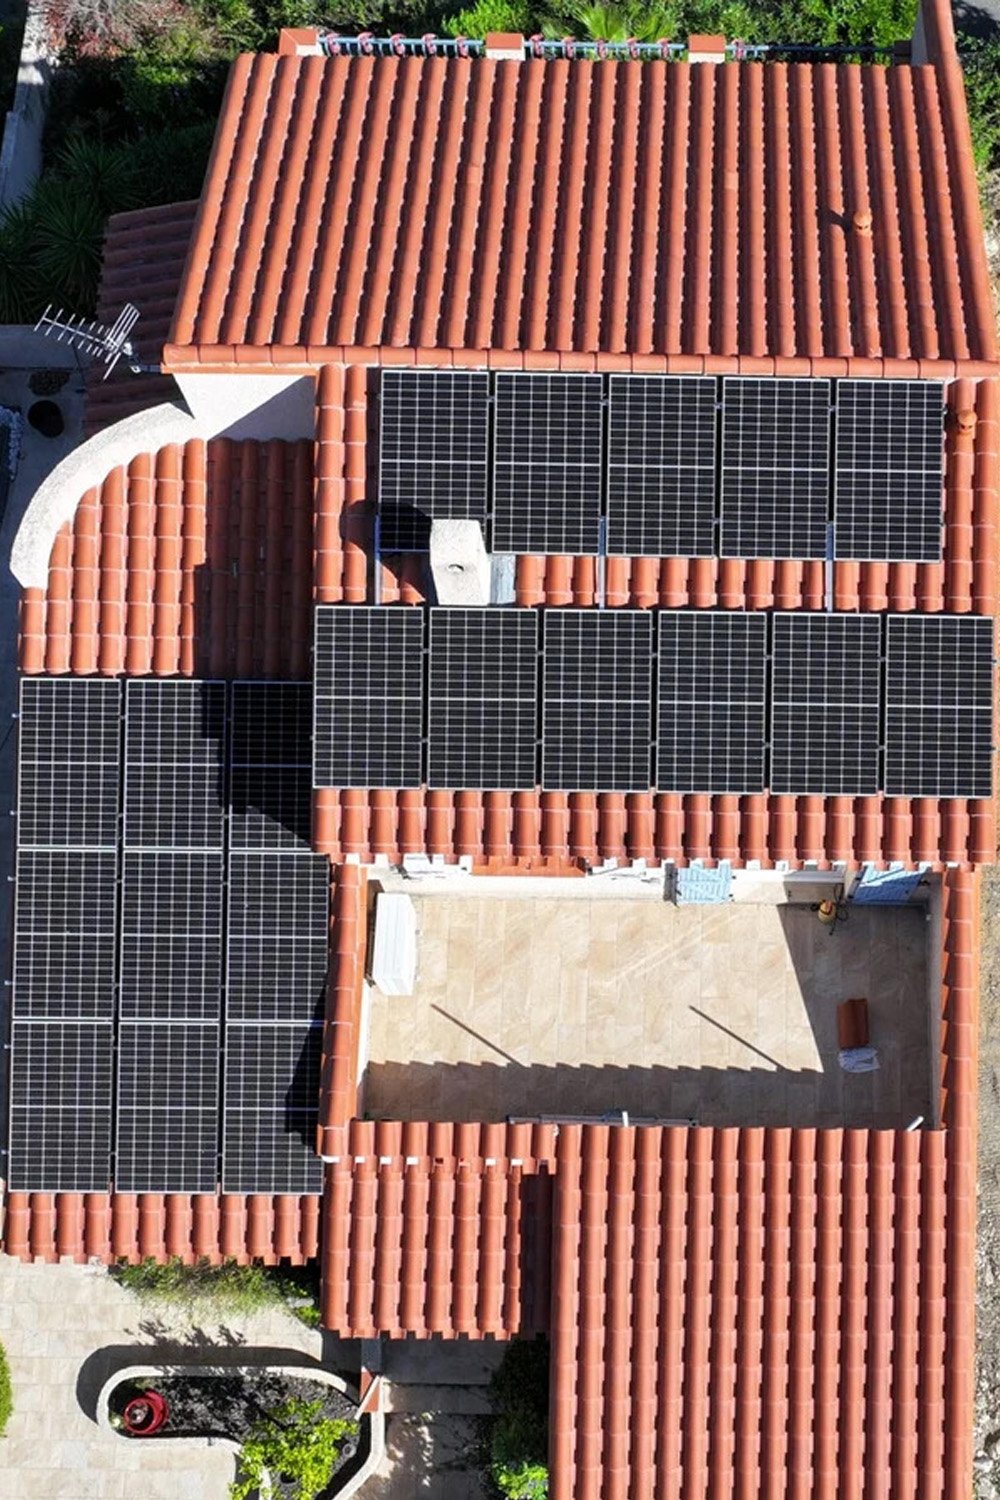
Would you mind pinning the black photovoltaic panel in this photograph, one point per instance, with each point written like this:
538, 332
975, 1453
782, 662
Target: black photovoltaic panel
711, 701
174, 764
278, 938
482, 729
597, 697
661, 465
547, 463
171, 936
271, 1105
775, 468
69, 762
168, 1108
60, 1107
64, 934
939, 706
271, 772
889, 470
368, 704
433, 452
826, 679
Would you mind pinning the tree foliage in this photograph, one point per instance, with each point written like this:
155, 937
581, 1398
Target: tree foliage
295, 1443
519, 1441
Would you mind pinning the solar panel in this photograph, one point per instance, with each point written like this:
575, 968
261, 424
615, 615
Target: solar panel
168, 1108
597, 700
271, 1107
661, 465
64, 934
889, 470
368, 705
826, 672
711, 701
171, 948
433, 451
278, 937
174, 763
60, 1107
547, 463
482, 729
68, 762
939, 706
775, 468
271, 775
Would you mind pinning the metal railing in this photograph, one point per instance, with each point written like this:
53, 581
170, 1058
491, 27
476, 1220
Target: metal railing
368, 45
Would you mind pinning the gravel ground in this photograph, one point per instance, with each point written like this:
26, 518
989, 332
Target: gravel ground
988, 1283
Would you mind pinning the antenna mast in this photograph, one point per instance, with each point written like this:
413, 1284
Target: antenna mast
96, 339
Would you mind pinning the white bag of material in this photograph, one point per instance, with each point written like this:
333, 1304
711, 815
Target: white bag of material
859, 1059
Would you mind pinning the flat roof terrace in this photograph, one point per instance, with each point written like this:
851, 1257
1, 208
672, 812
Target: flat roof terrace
579, 1004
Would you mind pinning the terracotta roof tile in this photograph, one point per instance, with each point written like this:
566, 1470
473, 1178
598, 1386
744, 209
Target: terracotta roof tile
143, 262
470, 209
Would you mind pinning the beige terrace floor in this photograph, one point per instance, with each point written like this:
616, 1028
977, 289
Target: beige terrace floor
722, 1014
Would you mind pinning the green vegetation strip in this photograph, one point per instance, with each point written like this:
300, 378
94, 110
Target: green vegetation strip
227, 1289
6, 1393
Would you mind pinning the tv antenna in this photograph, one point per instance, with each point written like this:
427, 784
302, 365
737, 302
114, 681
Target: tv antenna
96, 339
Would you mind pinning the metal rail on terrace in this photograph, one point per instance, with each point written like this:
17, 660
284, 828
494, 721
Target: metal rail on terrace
368, 45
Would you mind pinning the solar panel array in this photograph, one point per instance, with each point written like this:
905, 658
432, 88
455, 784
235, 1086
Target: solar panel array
889, 489
826, 679
173, 866
122, 919
547, 463
576, 700
661, 466
939, 706
597, 700
368, 726
277, 947
482, 698
62, 1036
641, 465
711, 701
433, 445
270, 793
775, 468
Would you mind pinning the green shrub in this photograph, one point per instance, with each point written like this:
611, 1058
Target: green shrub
519, 1440
492, 15
226, 1289
981, 64
293, 1443
6, 1393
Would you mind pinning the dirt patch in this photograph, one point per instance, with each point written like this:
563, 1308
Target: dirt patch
987, 1431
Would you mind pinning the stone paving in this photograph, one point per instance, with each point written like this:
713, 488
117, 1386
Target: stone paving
65, 1329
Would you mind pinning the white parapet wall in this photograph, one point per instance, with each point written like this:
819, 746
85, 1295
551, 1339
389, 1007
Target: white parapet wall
238, 406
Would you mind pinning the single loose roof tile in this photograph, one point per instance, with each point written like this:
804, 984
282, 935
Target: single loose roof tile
620, 208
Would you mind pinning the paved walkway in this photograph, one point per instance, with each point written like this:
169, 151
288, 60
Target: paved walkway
65, 1328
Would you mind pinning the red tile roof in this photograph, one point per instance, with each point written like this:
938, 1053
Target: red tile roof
791, 211
144, 253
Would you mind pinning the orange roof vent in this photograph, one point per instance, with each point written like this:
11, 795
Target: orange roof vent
299, 41
505, 46
706, 49
965, 420
862, 222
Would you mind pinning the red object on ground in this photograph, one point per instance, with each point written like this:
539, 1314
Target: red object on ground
145, 1415
852, 1024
